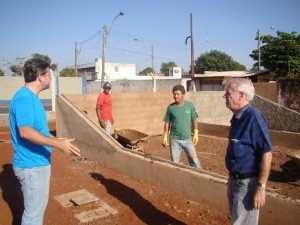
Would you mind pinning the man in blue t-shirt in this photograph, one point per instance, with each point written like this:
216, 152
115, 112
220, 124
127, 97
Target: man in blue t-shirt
249, 153
179, 117
32, 142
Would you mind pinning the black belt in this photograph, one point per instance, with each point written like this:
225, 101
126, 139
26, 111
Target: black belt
240, 176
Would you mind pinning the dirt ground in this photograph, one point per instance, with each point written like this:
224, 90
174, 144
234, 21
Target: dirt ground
135, 201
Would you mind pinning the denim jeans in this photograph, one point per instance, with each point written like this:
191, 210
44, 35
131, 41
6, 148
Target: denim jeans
240, 195
108, 127
189, 149
35, 184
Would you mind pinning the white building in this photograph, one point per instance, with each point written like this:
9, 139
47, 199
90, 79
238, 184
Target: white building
175, 72
113, 71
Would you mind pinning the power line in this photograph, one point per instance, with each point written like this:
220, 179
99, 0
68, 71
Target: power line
81, 43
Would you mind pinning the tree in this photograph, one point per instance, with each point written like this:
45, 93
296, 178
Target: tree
165, 67
1, 73
16, 69
146, 71
68, 72
45, 58
280, 54
216, 61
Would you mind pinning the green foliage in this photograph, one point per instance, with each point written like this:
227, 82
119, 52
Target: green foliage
45, 58
216, 61
165, 67
68, 72
280, 54
1, 73
53, 67
146, 71
16, 69
42, 57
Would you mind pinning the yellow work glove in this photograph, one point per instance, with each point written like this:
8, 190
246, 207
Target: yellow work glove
195, 137
165, 140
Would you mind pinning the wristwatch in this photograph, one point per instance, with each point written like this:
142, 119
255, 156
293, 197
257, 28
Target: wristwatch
261, 185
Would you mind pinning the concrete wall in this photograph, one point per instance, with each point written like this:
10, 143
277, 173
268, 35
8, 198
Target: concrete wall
4, 122
141, 84
278, 117
289, 93
192, 184
267, 90
67, 85
10, 85
145, 111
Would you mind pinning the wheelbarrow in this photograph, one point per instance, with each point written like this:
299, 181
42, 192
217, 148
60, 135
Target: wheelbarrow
131, 138
291, 169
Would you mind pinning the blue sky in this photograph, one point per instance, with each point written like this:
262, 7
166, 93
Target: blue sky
52, 28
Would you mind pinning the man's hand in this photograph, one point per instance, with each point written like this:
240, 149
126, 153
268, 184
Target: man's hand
165, 140
195, 137
102, 123
67, 147
259, 198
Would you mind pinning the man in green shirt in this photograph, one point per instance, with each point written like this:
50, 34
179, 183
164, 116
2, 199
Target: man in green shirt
179, 117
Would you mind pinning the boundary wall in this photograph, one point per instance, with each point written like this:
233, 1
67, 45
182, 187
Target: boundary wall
196, 185
145, 111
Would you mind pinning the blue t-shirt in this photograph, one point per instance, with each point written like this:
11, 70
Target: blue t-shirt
26, 109
248, 141
180, 118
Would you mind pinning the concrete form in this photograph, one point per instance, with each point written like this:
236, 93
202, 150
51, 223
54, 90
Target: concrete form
75, 117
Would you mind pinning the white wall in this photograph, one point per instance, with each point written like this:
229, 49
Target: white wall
124, 70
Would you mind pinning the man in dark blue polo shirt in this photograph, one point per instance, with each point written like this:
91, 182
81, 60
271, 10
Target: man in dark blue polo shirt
249, 156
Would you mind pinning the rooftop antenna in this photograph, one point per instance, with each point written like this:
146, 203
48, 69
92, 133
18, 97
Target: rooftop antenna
207, 41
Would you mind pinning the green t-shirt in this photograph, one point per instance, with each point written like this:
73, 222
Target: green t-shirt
180, 119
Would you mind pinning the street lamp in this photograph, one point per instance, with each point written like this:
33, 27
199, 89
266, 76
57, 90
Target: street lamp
192, 53
105, 33
76, 58
152, 53
259, 40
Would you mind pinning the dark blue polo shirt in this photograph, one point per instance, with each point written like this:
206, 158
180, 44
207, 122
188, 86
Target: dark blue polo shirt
248, 141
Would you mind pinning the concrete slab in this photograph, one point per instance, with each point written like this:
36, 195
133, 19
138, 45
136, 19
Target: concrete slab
103, 211
76, 198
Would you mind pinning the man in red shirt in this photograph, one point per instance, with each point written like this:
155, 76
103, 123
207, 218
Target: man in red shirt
104, 109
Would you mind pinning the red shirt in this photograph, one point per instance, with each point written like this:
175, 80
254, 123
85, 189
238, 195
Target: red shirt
105, 102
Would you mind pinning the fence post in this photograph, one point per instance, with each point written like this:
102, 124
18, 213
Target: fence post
53, 90
84, 85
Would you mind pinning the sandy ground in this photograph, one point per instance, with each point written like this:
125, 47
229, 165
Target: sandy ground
135, 201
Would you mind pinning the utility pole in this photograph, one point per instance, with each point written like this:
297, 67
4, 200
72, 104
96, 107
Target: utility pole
152, 50
103, 55
192, 55
4, 65
259, 40
104, 45
76, 54
258, 46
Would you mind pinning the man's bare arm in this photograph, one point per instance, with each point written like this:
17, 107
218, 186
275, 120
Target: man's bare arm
62, 144
260, 194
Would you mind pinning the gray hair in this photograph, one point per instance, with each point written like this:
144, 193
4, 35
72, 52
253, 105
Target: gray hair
243, 85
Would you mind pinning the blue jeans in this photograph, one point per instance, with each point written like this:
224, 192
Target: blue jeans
189, 149
108, 127
240, 195
35, 184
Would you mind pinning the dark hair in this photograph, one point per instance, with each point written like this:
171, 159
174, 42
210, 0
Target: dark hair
33, 68
179, 87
